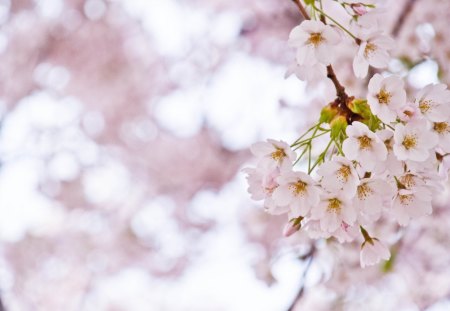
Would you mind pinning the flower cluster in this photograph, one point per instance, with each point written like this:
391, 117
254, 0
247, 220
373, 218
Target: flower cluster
383, 159
313, 40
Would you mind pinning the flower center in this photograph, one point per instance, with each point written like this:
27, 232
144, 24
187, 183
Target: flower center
344, 173
425, 106
441, 127
364, 191
384, 97
334, 205
315, 39
365, 142
369, 49
408, 180
298, 188
410, 141
405, 199
278, 154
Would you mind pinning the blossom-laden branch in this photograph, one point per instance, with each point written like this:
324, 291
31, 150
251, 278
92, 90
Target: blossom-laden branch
380, 160
340, 90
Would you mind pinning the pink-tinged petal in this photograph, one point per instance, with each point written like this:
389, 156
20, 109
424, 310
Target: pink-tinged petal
305, 55
331, 35
375, 83
360, 66
282, 195
323, 54
261, 149
312, 26
297, 36
350, 148
379, 59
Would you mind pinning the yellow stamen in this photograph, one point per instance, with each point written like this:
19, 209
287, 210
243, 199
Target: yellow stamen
315, 39
410, 141
384, 97
405, 199
364, 191
369, 49
364, 142
299, 188
344, 173
425, 106
334, 205
441, 127
278, 155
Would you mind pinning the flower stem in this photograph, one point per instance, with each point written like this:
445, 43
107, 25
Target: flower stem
357, 40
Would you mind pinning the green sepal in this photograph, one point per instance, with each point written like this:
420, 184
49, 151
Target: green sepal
327, 114
338, 126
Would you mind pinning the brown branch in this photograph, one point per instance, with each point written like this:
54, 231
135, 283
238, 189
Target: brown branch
309, 256
302, 9
403, 16
340, 90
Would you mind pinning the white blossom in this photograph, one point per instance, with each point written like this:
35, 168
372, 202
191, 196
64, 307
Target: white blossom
363, 145
298, 191
372, 195
273, 154
372, 251
339, 175
434, 102
386, 96
413, 141
442, 130
392, 165
411, 203
332, 210
314, 42
261, 184
372, 51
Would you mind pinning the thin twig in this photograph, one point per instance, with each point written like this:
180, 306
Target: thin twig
302, 9
340, 90
309, 256
403, 17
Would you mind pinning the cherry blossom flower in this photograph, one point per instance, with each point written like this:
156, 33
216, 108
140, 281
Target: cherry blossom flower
314, 40
339, 174
372, 251
372, 51
273, 154
312, 228
371, 196
298, 191
411, 203
413, 141
345, 233
332, 210
261, 184
386, 96
434, 102
391, 165
363, 145
442, 130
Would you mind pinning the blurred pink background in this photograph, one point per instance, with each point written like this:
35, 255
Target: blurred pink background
125, 124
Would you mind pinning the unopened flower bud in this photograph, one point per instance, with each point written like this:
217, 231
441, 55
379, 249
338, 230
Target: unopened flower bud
360, 107
338, 125
327, 114
359, 8
292, 226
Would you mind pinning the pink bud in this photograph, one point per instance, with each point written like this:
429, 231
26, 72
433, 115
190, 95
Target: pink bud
292, 226
359, 8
